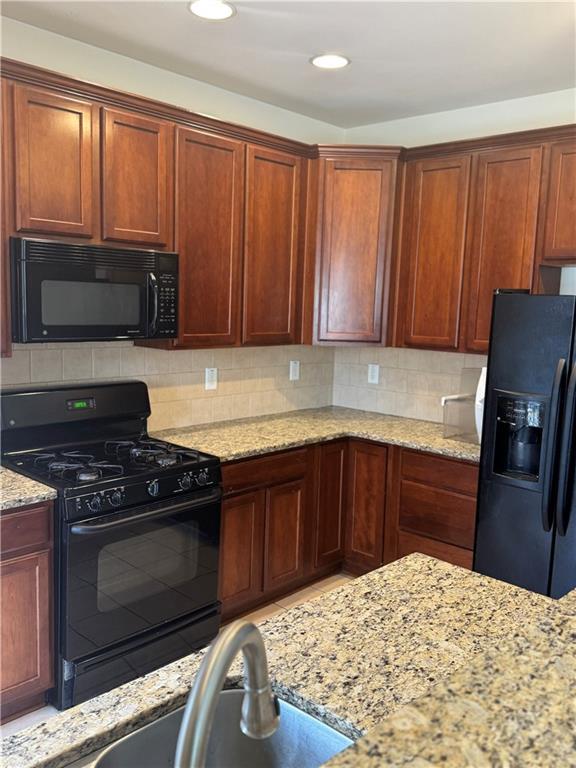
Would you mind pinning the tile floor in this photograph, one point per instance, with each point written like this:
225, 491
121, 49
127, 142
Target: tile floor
266, 612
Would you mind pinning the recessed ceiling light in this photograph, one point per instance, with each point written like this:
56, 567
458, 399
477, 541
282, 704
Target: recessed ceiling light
214, 10
330, 61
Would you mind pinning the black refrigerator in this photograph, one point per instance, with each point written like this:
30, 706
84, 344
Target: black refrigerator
526, 521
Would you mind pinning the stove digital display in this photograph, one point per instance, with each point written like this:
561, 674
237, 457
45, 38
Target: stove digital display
81, 405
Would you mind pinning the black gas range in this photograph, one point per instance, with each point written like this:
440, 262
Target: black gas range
137, 527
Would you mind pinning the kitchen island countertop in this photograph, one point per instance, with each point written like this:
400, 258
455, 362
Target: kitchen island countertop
416, 656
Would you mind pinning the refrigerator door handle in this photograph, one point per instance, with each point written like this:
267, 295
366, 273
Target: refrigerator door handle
548, 485
566, 452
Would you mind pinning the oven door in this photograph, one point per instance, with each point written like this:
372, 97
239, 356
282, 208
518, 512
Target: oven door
127, 573
66, 301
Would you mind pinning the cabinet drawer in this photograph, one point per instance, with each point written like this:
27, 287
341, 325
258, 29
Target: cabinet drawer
438, 513
409, 543
254, 473
440, 472
25, 529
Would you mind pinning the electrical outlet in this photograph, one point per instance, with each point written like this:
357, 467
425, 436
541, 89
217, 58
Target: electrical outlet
294, 370
373, 373
211, 378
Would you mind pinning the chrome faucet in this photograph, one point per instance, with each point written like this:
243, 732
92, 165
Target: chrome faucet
260, 711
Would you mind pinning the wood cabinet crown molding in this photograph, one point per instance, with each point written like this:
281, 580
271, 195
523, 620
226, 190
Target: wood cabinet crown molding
38, 76
496, 141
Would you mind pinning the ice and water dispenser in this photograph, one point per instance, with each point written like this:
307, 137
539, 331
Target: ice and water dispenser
519, 437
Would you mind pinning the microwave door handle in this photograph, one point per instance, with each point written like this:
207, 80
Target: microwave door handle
554, 418
83, 529
566, 456
153, 290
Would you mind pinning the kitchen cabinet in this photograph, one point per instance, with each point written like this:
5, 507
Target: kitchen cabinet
285, 520
356, 227
55, 165
502, 235
367, 467
241, 553
330, 506
432, 507
437, 192
137, 179
209, 211
560, 207
266, 521
271, 246
26, 662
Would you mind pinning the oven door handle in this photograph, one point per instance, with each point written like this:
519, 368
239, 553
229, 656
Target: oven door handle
84, 529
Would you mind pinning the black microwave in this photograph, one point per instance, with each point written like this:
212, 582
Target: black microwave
67, 292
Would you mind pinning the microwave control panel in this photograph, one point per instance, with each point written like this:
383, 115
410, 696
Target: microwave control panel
167, 305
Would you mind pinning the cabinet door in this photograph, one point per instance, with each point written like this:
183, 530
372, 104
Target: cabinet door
331, 505
137, 194
435, 239
501, 234
284, 534
54, 144
241, 551
560, 223
209, 208
26, 631
356, 234
271, 247
366, 506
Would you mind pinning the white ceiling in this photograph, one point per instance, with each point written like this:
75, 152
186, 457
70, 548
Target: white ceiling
408, 58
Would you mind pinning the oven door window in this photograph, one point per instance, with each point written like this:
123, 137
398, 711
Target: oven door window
125, 581
67, 301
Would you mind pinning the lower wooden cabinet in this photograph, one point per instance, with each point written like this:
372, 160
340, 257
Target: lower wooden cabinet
366, 506
284, 534
292, 517
431, 507
26, 663
265, 525
330, 507
241, 560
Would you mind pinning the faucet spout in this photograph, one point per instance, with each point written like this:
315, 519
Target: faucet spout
260, 711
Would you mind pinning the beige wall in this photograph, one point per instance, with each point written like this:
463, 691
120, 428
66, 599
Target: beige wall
86, 62
541, 111
252, 382
412, 381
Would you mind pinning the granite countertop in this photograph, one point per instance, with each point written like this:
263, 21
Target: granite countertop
17, 490
241, 438
445, 654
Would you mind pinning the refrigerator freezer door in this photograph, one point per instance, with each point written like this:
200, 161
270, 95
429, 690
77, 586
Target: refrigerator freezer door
530, 335
564, 564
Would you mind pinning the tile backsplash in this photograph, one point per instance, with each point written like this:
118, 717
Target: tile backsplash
252, 381
411, 383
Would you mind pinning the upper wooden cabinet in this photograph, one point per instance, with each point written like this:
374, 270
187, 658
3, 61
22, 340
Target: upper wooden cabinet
271, 246
560, 211
356, 219
209, 209
435, 232
137, 179
502, 237
54, 143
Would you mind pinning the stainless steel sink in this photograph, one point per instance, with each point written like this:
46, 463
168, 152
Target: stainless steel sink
301, 741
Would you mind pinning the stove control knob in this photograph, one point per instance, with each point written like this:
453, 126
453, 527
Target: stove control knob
185, 482
95, 504
154, 488
202, 477
116, 498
